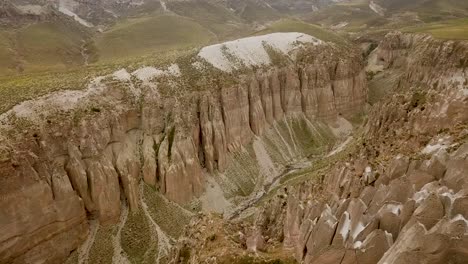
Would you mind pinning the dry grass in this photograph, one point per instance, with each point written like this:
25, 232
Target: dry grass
136, 238
102, 250
449, 29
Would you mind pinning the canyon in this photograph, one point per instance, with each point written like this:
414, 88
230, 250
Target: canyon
264, 144
396, 196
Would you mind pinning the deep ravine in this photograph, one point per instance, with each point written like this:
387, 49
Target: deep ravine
138, 150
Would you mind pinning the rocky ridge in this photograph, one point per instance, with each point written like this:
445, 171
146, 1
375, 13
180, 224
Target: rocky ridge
400, 195
71, 159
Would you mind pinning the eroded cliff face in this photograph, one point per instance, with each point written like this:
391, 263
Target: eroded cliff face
74, 158
400, 194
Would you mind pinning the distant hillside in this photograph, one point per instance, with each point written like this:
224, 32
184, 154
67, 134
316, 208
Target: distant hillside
45, 44
214, 16
55, 35
379, 16
290, 25
144, 35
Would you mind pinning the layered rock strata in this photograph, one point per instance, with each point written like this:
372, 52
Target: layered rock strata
74, 156
400, 197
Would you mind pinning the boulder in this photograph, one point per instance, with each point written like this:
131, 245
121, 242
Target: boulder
456, 175
460, 207
373, 247
397, 167
420, 178
430, 211
390, 222
436, 166
321, 235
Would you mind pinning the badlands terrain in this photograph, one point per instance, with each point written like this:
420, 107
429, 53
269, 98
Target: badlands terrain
234, 131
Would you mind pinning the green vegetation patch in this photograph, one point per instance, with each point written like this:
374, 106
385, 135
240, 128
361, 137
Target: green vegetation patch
308, 141
146, 35
136, 238
49, 43
240, 177
170, 217
44, 46
102, 249
211, 15
439, 10
21, 87
257, 11
15, 89
382, 84
284, 131
355, 13
8, 62
449, 29
317, 171
274, 149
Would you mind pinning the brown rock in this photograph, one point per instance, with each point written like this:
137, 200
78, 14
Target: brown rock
255, 241
382, 180
321, 235
342, 230
149, 169
430, 211
414, 165
301, 247
291, 227
398, 167
400, 190
87, 161
367, 194
390, 223
455, 177
420, 178
329, 256
460, 207
436, 166
349, 257
368, 229
458, 253
378, 200
407, 211
373, 247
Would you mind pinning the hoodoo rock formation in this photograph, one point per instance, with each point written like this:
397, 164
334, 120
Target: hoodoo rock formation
113, 173
72, 158
400, 195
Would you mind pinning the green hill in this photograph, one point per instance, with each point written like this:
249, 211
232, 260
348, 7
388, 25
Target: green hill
143, 35
254, 11
8, 61
293, 25
43, 46
450, 29
358, 16
217, 18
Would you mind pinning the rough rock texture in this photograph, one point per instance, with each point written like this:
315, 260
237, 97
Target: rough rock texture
210, 239
401, 197
62, 167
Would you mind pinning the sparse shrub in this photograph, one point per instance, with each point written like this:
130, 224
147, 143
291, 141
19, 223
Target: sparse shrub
418, 99
184, 255
95, 109
102, 249
136, 237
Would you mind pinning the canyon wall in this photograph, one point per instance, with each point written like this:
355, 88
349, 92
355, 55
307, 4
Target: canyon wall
400, 196
74, 157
